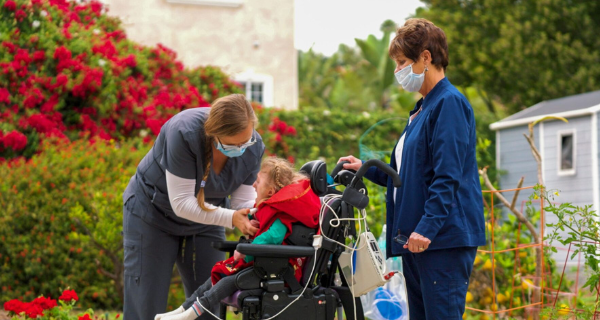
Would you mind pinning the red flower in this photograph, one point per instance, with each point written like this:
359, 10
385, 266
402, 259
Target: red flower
45, 303
291, 131
85, 317
20, 15
106, 49
4, 95
154, 125
96, 7
117, 35
39, 55
69, 295
33, 310
10, 5
61, 81
49, 105
41, 123
10, 46
33, 99
15, 140
15, 306
61, 53
129, 61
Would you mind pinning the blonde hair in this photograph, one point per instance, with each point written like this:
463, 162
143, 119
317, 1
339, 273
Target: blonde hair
281, 172
228, 116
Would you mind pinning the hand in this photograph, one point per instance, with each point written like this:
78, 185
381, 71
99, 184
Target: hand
240, 221
237, 255
255, 223
163, 316
417, 243
354, 164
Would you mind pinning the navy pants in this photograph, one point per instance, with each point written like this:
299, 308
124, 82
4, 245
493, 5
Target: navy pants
437, 282
149, 257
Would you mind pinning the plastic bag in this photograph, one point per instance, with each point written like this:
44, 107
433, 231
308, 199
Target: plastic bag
388, 302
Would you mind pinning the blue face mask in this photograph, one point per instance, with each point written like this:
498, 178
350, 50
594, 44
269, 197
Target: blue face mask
409, 80
232, 151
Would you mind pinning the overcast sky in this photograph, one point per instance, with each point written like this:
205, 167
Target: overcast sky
324, 24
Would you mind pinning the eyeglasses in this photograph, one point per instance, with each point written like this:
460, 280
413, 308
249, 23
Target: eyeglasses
228, 147
401, 239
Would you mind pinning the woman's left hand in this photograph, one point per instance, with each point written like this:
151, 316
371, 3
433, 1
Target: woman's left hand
417, 243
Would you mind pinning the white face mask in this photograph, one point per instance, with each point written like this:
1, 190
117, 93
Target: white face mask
409, 80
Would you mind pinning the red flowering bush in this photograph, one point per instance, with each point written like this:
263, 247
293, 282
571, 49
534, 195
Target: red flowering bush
46, 308
67, 70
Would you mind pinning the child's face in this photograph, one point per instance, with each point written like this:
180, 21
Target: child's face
262, 186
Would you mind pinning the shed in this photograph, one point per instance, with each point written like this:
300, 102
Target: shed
569, 151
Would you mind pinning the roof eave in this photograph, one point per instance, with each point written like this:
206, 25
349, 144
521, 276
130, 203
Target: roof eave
567, 114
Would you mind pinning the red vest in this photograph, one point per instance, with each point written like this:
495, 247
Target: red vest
293, 203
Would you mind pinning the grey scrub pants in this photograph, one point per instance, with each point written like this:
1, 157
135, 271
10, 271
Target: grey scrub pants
149, 256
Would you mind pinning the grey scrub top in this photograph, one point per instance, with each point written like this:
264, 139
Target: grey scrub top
179, 148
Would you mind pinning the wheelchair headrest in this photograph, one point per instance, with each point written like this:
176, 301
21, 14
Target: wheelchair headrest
317, 172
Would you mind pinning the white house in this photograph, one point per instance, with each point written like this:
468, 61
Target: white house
252, 40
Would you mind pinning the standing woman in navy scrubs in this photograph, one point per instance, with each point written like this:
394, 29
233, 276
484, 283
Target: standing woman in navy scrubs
435, 220
203, 164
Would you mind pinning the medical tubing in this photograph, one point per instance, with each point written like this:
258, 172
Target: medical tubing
379, 164
335, 222
326, 201
282, 310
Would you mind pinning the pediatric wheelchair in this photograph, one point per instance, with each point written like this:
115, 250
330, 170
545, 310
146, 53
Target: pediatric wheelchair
269, 287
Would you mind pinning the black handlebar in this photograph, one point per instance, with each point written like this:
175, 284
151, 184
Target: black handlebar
379, 164
338, 168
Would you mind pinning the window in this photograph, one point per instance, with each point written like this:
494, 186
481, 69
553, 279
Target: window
257, 87
566, 152
256, 92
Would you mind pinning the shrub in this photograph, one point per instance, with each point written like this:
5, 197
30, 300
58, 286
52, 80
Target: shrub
319, 133
68, 70
42, 246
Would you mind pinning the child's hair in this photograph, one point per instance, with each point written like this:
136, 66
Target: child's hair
281, 172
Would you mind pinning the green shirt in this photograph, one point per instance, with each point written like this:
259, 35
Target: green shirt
274, 235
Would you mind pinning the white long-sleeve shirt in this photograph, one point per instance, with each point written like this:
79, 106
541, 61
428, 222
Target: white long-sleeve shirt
185, 204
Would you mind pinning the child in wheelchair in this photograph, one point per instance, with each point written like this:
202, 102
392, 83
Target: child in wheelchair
284, 196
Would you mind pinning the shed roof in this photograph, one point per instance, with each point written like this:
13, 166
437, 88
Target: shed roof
564, 106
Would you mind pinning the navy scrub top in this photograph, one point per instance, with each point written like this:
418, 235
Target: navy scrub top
440, 197
180, 148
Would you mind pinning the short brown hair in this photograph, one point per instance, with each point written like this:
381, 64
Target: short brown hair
418, 35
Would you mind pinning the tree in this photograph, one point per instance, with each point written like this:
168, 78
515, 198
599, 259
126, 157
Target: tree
380, 66
520, 52
356, 79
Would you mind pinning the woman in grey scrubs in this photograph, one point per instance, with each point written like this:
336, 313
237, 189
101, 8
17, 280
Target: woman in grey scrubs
184, 192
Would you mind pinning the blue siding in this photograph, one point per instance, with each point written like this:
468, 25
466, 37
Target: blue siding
516, 159
577, 188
